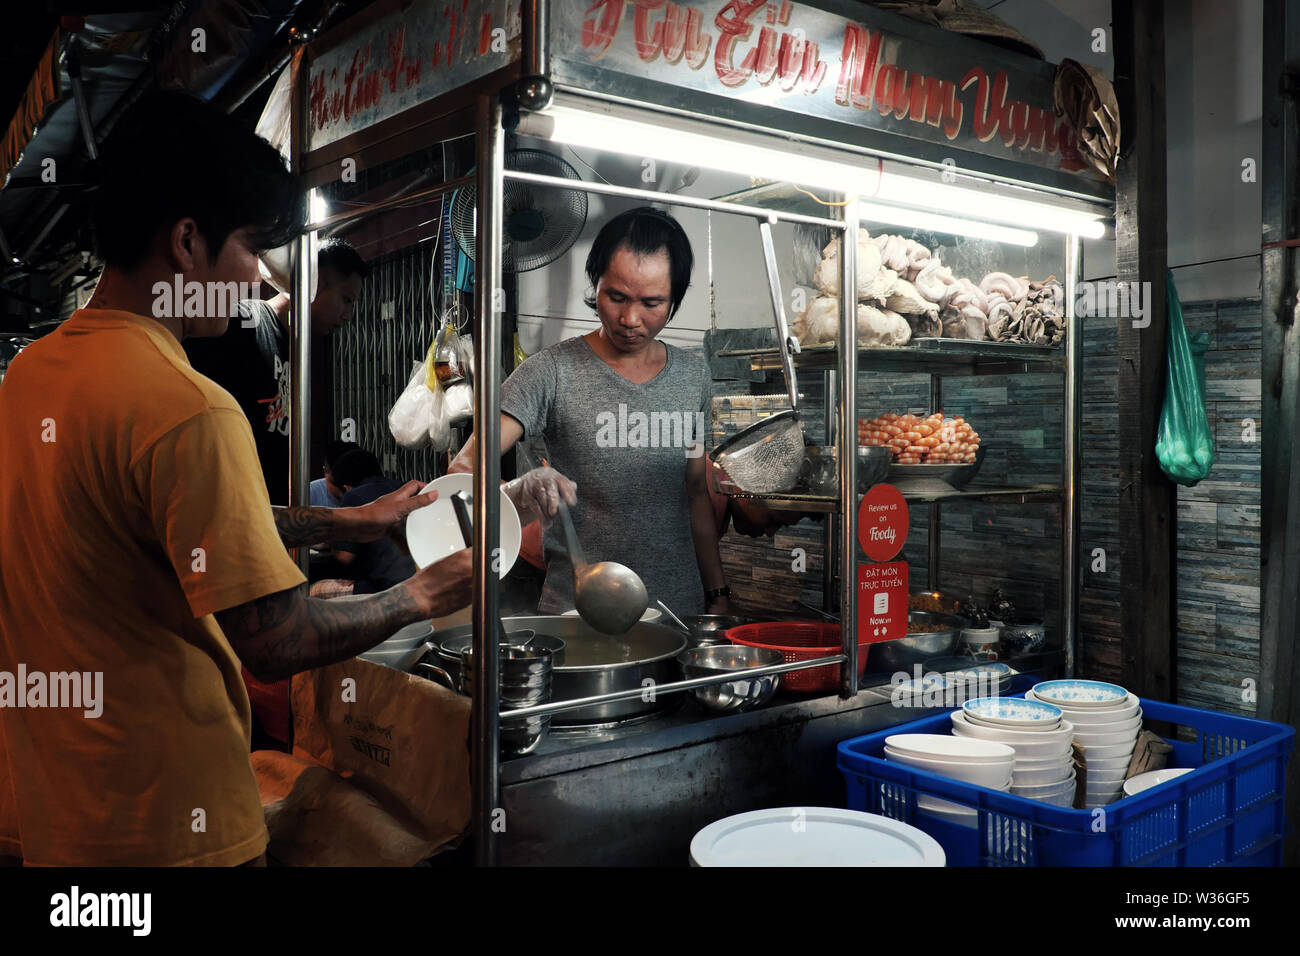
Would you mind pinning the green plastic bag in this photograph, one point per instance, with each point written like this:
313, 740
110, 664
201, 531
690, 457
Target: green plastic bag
1185, 444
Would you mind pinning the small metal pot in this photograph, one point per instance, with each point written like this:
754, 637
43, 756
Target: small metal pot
456, 643
526, 680
744, 693
708, 629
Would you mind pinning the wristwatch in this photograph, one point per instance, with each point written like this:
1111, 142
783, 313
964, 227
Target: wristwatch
716, 593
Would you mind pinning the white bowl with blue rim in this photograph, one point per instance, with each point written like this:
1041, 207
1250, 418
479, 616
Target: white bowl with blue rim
1086, 694
1014, 712
1092, 718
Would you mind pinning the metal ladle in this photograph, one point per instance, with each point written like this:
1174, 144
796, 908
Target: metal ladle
609, 596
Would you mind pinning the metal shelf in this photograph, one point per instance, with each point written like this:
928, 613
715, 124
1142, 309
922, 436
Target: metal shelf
817, 504
941, 356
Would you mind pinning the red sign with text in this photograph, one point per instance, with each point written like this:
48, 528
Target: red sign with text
882, 602
882, 523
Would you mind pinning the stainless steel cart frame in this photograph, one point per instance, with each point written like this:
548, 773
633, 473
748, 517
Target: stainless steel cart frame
544, 63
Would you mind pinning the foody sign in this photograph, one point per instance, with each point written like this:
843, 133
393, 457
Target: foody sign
882, 587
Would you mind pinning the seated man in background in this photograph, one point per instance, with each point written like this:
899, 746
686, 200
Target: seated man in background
373, 566
324, 492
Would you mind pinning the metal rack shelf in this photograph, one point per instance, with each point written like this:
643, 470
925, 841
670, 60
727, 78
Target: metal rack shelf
946, 356
819, 504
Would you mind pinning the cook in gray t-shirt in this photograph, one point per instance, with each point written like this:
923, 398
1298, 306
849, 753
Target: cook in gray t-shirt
626, 446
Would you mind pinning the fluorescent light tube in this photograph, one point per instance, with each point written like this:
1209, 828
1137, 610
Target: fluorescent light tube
937, 222
664, 141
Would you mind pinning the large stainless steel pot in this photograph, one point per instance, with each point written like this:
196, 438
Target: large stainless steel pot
596, 663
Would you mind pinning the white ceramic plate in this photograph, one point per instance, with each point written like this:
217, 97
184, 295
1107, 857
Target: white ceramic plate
1027, 743
432, 532
1153, 778
1040, 778
1013, 712
1106, 740
1080, 716
825, 836
1047, 763
1111, 753
1041, 788
993, 776
945, 747
1086, 694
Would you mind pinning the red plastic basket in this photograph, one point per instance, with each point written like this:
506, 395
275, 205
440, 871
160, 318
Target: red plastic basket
800, 641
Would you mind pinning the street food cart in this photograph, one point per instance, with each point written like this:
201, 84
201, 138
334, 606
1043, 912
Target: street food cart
838, 118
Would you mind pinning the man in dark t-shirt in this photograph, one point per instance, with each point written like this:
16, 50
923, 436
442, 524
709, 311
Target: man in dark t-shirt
376, 565
251, 360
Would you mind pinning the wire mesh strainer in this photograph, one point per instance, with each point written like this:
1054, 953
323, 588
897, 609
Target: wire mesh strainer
765, 458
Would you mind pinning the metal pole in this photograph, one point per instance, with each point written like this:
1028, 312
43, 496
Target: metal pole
676, 687
487, 478
1072, 476
535, 88
936, 509
300, 310
830, 540
848, 449
79, 97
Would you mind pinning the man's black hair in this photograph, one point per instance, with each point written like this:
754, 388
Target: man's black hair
171, 156
336, 449
355, 468
338, 255
644, 231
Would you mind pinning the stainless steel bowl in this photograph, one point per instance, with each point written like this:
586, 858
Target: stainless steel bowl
917, 647
707, 629
742, 694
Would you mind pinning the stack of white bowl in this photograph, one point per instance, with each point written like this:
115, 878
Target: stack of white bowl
1107, 721
1036, 732
981, 762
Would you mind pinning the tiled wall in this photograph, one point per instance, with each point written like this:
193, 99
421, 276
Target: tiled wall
1218, 588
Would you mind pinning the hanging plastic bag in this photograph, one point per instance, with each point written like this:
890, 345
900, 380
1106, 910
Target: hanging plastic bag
438, 424
1185, 444
409, 417
459, 403
444, 358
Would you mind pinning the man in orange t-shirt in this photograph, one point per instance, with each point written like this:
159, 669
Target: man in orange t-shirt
140, 559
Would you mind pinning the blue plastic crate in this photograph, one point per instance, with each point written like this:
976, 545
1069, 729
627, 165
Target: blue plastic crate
1229, 811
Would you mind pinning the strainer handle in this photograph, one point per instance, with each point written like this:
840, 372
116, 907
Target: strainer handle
788, 344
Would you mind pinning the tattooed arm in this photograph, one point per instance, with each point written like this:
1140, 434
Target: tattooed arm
281, 634
308, 526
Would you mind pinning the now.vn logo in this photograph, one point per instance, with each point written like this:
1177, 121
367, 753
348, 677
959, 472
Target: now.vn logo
77, 909
626, 429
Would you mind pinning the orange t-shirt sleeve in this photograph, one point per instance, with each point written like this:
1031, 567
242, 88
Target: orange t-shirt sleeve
202, 487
